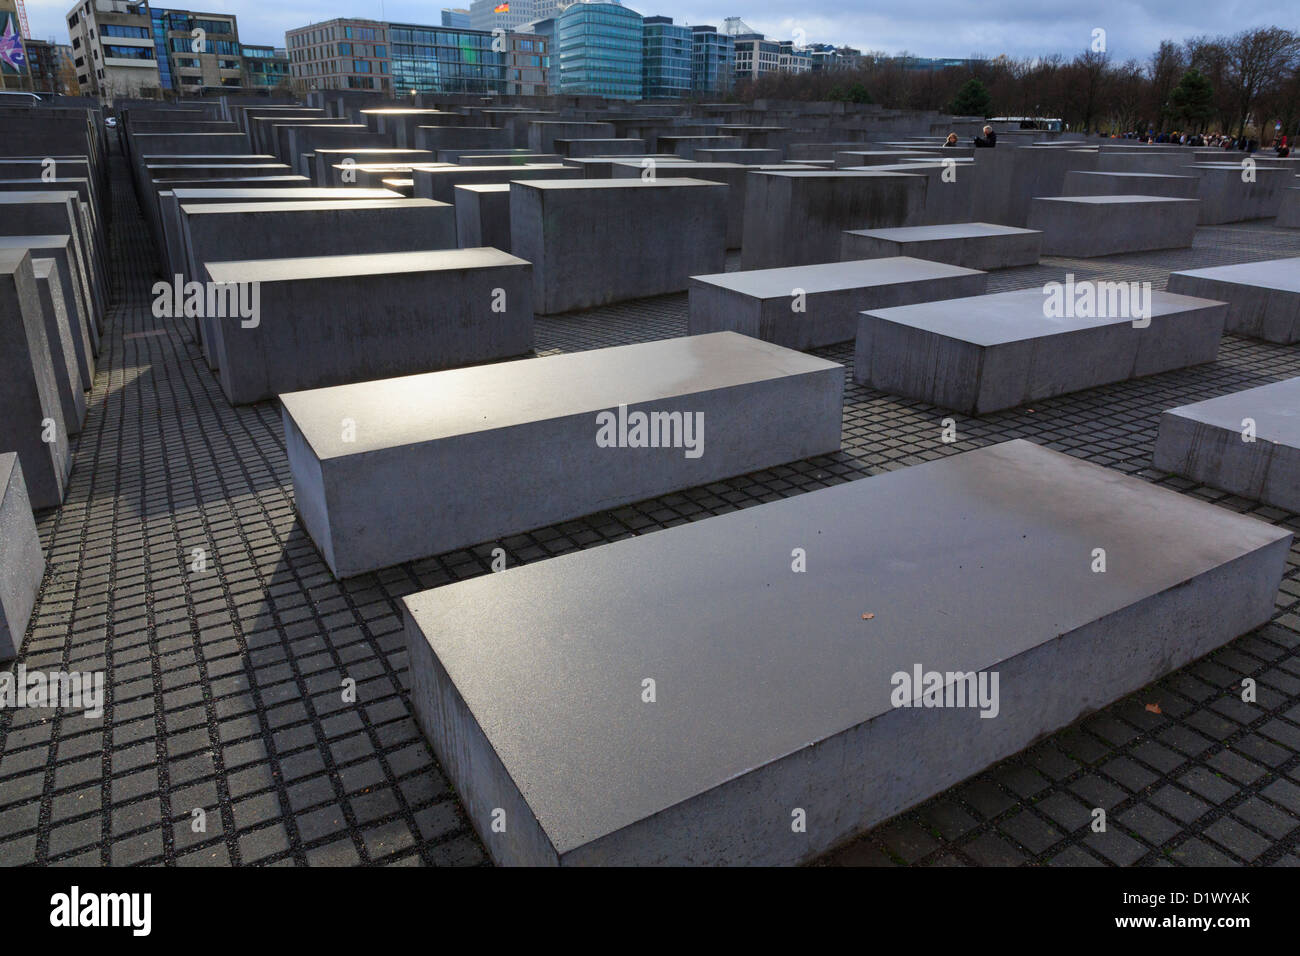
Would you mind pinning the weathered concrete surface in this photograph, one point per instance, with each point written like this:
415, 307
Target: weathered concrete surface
795, 218
1246, 443
991, 352
439, 183
60, 249
59, 335
1089, 226
979, 563
594, 241
22, 565
334, 320
805, 307
1080, 182
1263, 297
975, 245
411, 482
483, 216
1231, 192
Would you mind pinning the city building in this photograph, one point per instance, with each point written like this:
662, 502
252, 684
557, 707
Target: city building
755, 56
445, 60
339, 54
507, 15
827, 56
16, 53
793, 59
599, 46
713, 59
196, 51
544, 30
51, 67
265, 66
528, 69
666, 59
113, 48
458, 18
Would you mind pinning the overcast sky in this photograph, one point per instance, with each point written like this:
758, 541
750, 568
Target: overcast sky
949, 28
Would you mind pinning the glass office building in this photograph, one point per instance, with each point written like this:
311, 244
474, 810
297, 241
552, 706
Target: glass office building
666, 51
713, 61
598, 45
444, 60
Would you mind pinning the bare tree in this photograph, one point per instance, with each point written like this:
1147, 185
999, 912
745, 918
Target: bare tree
1258, 60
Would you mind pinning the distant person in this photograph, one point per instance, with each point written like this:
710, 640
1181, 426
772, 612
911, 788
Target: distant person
1283, 150
951, 140
988, 140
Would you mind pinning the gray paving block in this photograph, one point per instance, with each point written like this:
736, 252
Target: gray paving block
777, 692
804, 307
29, 391
975, 245
992, 352
596, 241
22, 565
334, 320
437, 462
1089, 226
1263, 297
59, 335
1208, 442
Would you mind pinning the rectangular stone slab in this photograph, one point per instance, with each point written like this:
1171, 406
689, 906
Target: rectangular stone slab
991, 352
334, 320
1087, 226
440, 182
413, 483
483, 215
975, 245
29, 394
1085, 182
61, 250
1206, 442
221, 232
772, 689
1263, 297
22, 565
579, 236
63, 352
829, 297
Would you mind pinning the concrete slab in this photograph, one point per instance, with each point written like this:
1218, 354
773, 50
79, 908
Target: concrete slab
992, 352
1246, 443
410, 483
1086, 182
1088, 226
774, 694
805, 307
796, 218
1288, 212
439, 183
334, 320
975, 245
483, 216
60, 249
54, 213
22, 565
59, 334
1263, 297
1233, 192
29, 392
579, 237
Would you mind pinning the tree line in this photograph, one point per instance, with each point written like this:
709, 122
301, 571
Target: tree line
1243, 84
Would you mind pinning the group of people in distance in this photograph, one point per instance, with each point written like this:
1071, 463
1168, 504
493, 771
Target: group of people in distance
1211, 140
990, 138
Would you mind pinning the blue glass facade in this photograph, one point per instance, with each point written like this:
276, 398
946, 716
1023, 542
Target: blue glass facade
598, 47
666, 52
713, 61
445, 60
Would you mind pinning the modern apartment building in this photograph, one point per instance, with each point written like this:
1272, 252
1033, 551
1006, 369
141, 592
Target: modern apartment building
507, 15
713, 61
458, 18
756, 55
339, 54
528, 69
48, 63
666, 52
445, 60
265, 66
113, 48
792, 59
196, 51
599, 46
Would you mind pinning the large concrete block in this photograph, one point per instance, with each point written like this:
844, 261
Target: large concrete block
685, 146
746, 157
483, 216
795, 218
1235, 192
806, 307
22, 565
731, 175
1288, 212
1087, 226
1263, 297
440, 182
992, 352
59, 248
950, 188
542, 134
55, 213
29, 391
595, 241
328, 162
1087, 182
334, 320
1246, 443
847, 158
59, 334
412, 484
975, 245
976, 567
600, 147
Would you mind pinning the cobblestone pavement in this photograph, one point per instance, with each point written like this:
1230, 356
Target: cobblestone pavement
224, 683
